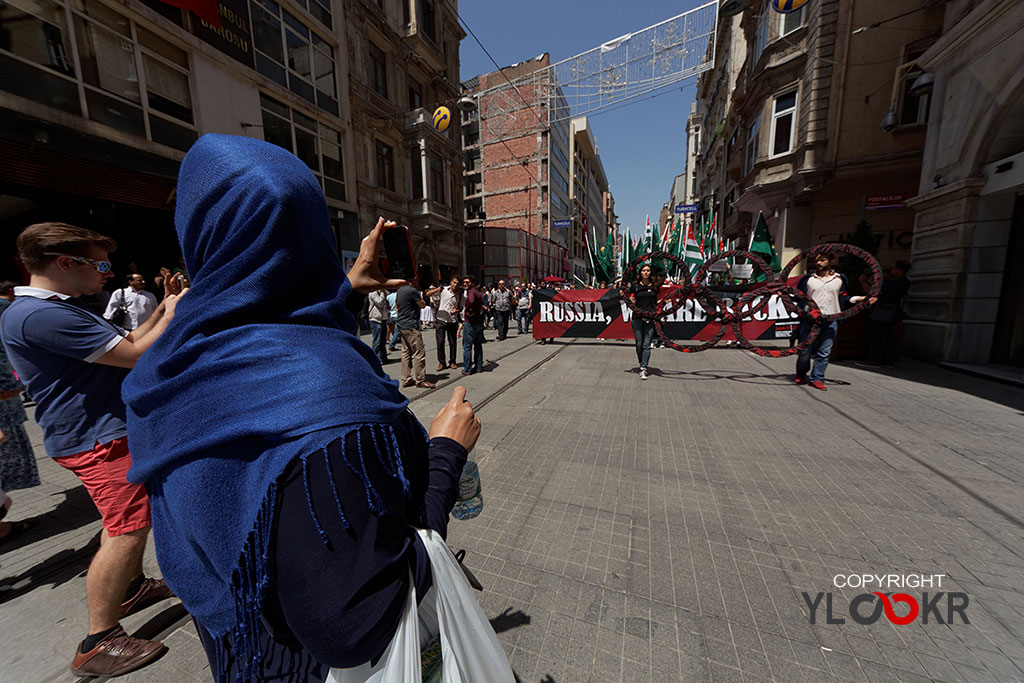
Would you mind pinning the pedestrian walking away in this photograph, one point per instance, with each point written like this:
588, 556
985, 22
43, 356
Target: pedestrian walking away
73, 363
501, 303
472, 327
291, 516
828, 290
644, 293
409, 302
447, 323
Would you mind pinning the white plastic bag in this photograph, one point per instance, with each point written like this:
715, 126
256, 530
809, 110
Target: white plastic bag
470, 649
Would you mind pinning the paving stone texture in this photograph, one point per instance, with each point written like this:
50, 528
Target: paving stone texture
665, 530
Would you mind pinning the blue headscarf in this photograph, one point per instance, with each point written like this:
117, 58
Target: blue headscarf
261, 365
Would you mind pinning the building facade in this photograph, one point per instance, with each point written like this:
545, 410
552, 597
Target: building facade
516, 179
901, 120
404, 62
587, 188
967, 301
100, 100
798, 137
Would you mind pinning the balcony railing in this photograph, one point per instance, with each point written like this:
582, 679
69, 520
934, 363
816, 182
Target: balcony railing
428, 207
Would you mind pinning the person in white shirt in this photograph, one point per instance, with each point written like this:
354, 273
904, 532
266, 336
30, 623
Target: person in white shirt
447, 324
828, 290
139, 303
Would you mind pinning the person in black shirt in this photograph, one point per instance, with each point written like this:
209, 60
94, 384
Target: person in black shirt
644, 293
885, 316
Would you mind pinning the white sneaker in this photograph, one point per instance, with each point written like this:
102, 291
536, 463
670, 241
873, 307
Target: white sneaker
643, 373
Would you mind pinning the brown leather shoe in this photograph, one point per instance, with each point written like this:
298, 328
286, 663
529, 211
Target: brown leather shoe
151, 592
116, 654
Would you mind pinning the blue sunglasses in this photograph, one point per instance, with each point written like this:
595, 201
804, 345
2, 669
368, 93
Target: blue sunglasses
101, 266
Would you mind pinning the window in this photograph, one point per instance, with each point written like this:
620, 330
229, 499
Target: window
791, 21
415, 94
761, 36
385, 166
913, 109
436, 175
783, 124
126, 77
318, 145
378, 71
292, 55
750, 151
426, 18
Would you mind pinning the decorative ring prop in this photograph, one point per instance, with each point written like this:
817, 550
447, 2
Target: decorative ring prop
812, 313
795, 302
849, 249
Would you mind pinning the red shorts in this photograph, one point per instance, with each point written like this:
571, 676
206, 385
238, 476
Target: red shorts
123, 506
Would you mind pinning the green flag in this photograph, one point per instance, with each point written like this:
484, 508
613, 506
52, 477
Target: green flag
762, 245
691, 253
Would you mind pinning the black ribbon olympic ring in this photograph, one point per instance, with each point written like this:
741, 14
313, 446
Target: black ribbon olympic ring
752, 302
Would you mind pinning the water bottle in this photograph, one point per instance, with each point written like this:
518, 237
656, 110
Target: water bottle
470, 502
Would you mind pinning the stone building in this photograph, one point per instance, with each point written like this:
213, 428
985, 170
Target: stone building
99, 101
797, 136
967, 302
403, 63
587, 189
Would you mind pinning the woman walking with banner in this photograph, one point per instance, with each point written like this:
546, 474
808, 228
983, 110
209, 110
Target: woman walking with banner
644, 293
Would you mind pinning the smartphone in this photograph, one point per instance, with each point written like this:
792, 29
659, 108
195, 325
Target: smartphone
398, 262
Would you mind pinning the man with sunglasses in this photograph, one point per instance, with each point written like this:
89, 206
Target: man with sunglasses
73, 362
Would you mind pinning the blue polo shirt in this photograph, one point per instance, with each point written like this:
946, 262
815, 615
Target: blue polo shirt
53, 341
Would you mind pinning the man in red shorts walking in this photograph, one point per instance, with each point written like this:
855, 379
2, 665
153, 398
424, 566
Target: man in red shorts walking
72, 363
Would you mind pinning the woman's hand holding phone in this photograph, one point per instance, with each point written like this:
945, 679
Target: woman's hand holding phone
365, 274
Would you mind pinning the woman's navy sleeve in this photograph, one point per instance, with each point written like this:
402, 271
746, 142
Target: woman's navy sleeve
447, 458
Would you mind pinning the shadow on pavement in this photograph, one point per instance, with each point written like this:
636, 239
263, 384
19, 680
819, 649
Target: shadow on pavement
508, 620
75, 511
933, 375
784, 379
54, 571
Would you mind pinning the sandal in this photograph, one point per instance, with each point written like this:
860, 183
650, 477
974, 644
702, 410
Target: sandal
17, 529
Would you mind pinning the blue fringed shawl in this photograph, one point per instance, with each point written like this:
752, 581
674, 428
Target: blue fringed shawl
260, 366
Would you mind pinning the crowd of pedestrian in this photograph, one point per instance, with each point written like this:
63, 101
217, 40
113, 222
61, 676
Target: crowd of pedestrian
461, 309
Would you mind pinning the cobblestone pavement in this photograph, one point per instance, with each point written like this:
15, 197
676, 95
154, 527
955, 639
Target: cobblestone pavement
665, 530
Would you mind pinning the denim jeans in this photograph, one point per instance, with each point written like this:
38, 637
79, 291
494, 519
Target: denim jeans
523, 320
820, 349
379, 331
643, 333
472, 343
394, 337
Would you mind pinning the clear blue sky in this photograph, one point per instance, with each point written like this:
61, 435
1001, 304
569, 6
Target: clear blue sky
642, 144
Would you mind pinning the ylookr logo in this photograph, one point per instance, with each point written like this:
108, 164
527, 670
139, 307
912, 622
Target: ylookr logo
867, 608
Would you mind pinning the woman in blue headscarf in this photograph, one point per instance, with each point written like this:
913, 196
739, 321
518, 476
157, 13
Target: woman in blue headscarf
284, 469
